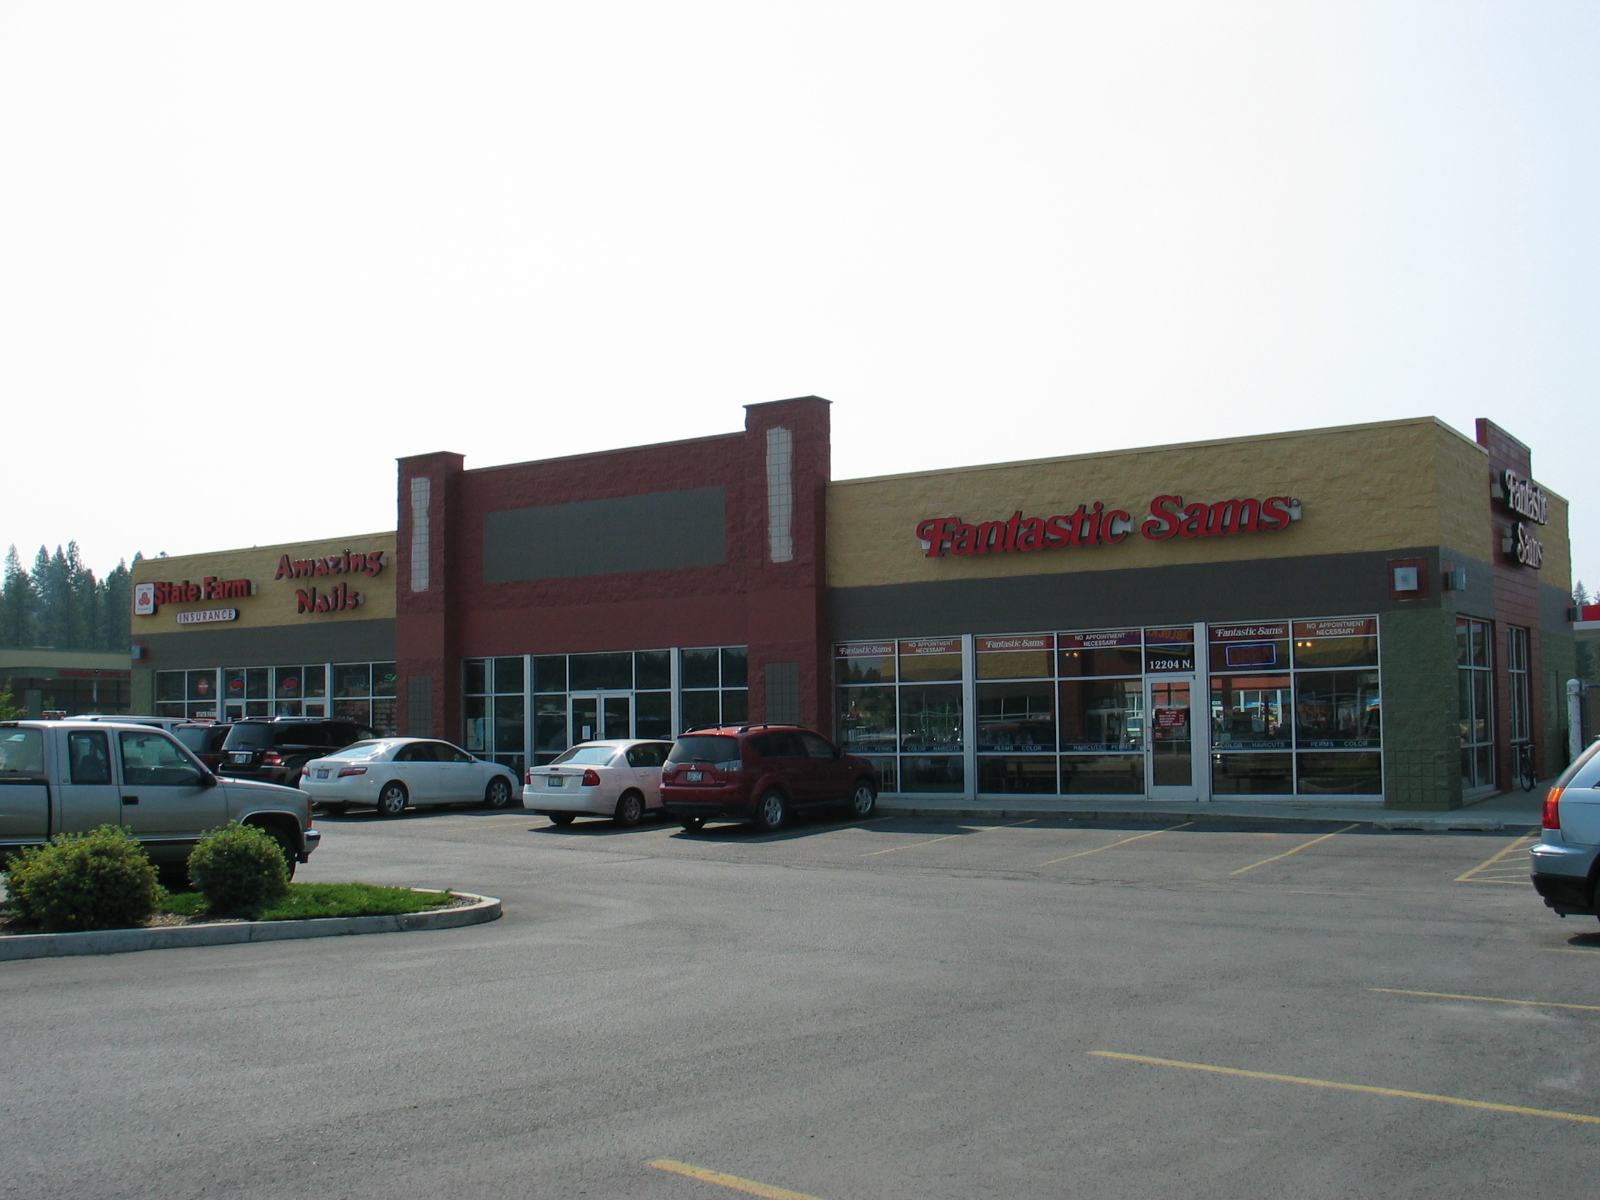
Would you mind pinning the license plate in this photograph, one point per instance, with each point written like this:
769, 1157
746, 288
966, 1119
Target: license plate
322, 774
241, 758
695, 776
552, 781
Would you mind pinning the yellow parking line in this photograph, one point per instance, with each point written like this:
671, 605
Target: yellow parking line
1296, 850
1114, 845
748, 1186
1487, 999
947, 837
1553, 1114
1567, 950
1526, 839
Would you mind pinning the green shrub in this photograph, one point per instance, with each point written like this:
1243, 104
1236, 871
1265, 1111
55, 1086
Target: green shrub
96, 880
239, 869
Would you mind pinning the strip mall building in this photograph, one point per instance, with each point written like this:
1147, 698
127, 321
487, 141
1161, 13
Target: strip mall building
1375, 611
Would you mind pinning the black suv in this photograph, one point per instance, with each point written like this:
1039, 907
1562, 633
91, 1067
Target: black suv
275, 749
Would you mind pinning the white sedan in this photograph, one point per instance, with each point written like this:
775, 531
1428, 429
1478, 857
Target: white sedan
390, 774
620, 780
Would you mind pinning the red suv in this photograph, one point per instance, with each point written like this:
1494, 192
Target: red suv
758, 773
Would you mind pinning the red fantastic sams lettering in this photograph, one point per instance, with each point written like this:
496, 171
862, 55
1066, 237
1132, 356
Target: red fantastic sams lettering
1011, 530
1193, 522
991, 537
1031, 535
965, 539
1275, 512
938, 534
1163, 522
1057, 531
1110, 536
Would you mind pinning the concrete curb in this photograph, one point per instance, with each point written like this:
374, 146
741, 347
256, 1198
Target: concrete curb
119, 941
1376, 817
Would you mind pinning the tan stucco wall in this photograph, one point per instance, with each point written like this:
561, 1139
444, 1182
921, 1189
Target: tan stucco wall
274, 600
1364, 487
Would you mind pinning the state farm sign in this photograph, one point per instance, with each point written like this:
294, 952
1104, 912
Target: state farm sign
1098, 525
147, 597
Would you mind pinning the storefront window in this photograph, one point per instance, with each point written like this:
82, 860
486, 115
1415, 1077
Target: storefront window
1102, 714
1251, 712
930, 717
187, 694
1475, 691
1520, 692
1294, 706
724, 668
867, 719
492, 720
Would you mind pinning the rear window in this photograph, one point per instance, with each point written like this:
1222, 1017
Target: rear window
586, 756
200, 738
248, 737
362, 750
704, 749
21, 754
1584, 771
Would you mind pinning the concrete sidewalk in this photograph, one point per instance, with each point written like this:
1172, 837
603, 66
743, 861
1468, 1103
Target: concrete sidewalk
1509, 810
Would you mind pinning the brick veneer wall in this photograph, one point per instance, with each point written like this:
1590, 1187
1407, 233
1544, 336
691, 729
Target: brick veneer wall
777, 609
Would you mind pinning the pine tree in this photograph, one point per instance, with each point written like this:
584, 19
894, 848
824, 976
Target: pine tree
115, 629
17, 603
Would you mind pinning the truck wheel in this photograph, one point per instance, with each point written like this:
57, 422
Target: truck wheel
288, 850
771, 812
499, 793
630, 809
174, 876
392, 800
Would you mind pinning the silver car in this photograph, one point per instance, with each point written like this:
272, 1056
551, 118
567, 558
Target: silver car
1566, 862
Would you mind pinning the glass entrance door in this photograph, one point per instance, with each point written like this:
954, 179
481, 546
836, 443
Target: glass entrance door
1169, 741
600, 716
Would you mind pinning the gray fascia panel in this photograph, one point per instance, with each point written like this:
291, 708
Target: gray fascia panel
657, 532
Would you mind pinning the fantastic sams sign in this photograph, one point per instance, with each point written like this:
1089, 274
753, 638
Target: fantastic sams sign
1101, 526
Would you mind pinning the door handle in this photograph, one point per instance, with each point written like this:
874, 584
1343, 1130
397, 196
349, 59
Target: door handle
130, 799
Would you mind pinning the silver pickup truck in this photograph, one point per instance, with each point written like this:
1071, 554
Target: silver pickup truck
70, 776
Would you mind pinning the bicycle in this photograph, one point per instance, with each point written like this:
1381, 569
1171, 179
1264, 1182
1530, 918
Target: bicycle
1526, 774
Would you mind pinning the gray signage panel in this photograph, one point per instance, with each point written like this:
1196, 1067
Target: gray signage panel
656, 532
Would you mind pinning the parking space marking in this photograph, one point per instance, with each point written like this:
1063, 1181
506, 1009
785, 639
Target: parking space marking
749, 1186
948, 837
1550, 1113
1497, 874
1488, 999
1296, 850
1114, 845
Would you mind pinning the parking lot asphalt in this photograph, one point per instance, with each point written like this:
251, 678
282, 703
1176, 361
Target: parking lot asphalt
897, 1008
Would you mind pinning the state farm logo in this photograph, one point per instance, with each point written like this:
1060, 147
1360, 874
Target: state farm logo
144, 599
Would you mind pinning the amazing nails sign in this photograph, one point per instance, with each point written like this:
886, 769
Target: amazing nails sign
1098, 525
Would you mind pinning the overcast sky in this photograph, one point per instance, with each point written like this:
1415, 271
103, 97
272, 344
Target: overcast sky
250, 253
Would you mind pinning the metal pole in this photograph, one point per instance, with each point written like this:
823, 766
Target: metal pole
1574, 719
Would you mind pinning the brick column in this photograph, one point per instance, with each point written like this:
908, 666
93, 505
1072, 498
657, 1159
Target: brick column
427, 655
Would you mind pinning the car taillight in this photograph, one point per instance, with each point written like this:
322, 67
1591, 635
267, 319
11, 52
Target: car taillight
591, 778
271, 758
527, 776
1552, 809
343, 771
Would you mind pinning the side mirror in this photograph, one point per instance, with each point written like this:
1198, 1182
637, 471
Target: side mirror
209, 780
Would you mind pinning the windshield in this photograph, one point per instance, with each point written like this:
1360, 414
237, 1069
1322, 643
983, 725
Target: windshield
586, 756
361, 751
704, 749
